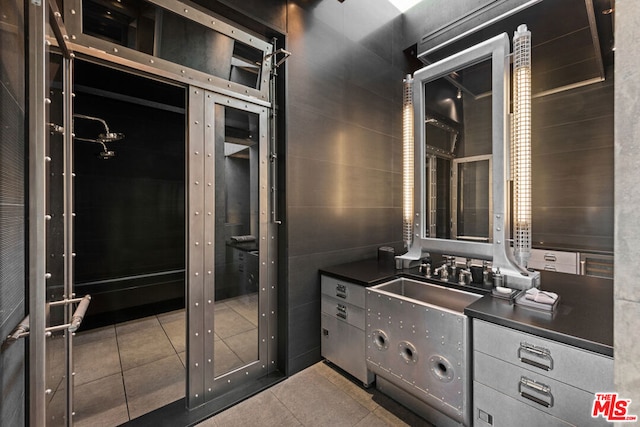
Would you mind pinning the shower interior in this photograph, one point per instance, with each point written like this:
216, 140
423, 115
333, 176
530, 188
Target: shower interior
129, 229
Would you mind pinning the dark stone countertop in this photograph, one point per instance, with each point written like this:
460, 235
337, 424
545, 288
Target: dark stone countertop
583, 318
366, 273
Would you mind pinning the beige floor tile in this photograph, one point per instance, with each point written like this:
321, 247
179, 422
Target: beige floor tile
229, 323
246, 306
100, 403
172, 316
372, 420
176, 331
395, 414
263, 410
355, 390
315, 401
154, 385
225, 360
91, 335
95, 358
244, 345
142, 342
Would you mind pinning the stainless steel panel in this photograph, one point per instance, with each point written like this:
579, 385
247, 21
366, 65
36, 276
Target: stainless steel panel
342, 290
596, 265
553, 397
344, 345
95, 47
420, 348
557, 257
195, 276
569, 363
38, 92
494, 409
343, 311
427, 294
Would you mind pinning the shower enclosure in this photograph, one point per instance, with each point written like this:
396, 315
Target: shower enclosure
152, 178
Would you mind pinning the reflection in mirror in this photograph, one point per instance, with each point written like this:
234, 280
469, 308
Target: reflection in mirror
472, 192
236, 307
457, 129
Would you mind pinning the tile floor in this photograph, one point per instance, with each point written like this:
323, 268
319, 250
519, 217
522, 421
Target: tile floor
126, 370
317, 396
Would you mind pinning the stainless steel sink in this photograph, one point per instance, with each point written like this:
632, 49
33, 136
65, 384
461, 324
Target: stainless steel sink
428, 293
418, 347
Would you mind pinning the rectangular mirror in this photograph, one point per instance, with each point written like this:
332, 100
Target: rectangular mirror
460, 116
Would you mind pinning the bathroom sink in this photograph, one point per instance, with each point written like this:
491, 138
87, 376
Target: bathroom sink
428, 293
418, 345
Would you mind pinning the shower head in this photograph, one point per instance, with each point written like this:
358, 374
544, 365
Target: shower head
102, 138
106, 155
110, 137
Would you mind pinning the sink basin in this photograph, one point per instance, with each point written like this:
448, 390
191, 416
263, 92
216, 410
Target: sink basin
428, 293
418, 345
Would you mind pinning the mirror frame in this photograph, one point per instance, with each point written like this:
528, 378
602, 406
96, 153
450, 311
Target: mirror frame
496, 49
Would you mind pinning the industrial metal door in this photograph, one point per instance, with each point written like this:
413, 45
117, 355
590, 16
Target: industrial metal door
231, 246
52, 319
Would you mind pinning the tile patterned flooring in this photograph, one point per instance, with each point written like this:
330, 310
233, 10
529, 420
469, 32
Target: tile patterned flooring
129, 369
317, 396
126, 370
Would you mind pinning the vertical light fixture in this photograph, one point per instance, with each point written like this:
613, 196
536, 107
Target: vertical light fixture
407, 162
521, 144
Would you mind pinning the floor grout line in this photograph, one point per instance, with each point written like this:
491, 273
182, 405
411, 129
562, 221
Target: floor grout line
124, 385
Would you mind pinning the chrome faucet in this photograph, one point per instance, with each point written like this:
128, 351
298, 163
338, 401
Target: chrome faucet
443, 272
425, 268
464, 278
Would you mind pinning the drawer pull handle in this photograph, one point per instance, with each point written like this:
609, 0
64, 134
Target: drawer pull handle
341, 291
341, 311
548, 267
550, 257
536, 387
544, 354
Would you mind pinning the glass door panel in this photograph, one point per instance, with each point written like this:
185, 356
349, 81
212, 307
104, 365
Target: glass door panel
237, 252
231, 271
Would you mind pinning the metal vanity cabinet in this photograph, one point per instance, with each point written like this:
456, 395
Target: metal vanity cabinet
548, 260
343, 327
525, 380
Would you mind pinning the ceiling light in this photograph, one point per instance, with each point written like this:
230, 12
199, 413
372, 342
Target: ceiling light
404, 5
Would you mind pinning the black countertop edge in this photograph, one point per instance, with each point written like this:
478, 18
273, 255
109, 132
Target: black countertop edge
573, 323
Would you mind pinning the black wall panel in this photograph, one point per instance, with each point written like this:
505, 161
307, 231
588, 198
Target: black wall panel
12, 211
343, 150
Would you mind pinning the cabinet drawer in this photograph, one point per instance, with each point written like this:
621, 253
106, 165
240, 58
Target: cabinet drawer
343, 290
554, 257
344, 345
538, 391
494, 409
546, 357
553, 266
343, 311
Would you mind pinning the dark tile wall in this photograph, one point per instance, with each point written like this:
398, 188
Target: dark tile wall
343, 149
573, 170
12, 211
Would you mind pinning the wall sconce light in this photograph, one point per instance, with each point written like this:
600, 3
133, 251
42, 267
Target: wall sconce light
521, 145
407, 162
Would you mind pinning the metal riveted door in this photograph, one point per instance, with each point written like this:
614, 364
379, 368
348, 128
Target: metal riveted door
231, 247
